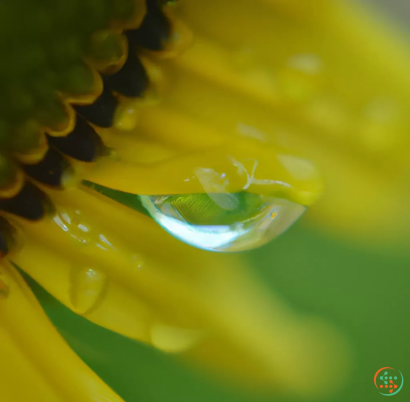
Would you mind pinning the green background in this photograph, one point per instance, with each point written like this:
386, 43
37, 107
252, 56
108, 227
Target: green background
364, 292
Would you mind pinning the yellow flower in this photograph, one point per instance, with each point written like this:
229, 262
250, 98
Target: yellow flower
131, 112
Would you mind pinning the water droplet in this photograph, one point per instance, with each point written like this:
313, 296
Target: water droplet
137, 262
87, 288
301, 78
381, 126
308, 63
223, 222
4, 290
73, 222
174, 340
330, 114
127, 114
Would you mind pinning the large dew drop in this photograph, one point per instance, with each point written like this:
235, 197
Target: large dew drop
223, 221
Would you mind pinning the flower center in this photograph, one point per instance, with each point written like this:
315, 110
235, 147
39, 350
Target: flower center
69, 65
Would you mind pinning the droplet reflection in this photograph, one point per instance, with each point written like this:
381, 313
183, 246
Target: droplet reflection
88, 286
4, 290
224, 221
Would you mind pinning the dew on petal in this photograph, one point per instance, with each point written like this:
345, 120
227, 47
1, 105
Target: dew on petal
88, 286
203, 221
172, 339
4, 290
301, 79
137, 262
73, 222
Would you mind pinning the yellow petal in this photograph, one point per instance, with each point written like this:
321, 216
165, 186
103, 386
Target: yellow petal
36, 363
246, 164
325, 79
120, 270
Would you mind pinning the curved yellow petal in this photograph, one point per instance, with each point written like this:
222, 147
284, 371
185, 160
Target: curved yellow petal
243, 166
120, 270
36, 363
326, 79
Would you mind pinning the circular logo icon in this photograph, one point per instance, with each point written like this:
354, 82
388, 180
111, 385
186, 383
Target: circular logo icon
388, 381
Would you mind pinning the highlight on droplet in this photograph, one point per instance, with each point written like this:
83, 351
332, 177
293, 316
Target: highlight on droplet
225, 222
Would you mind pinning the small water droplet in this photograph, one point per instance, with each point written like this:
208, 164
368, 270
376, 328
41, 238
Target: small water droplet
172, 339
73, 222
301, 78
127, 114
88, 286
330, 114
382, 125
308, 63
203, 220
4, 290
137, 262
